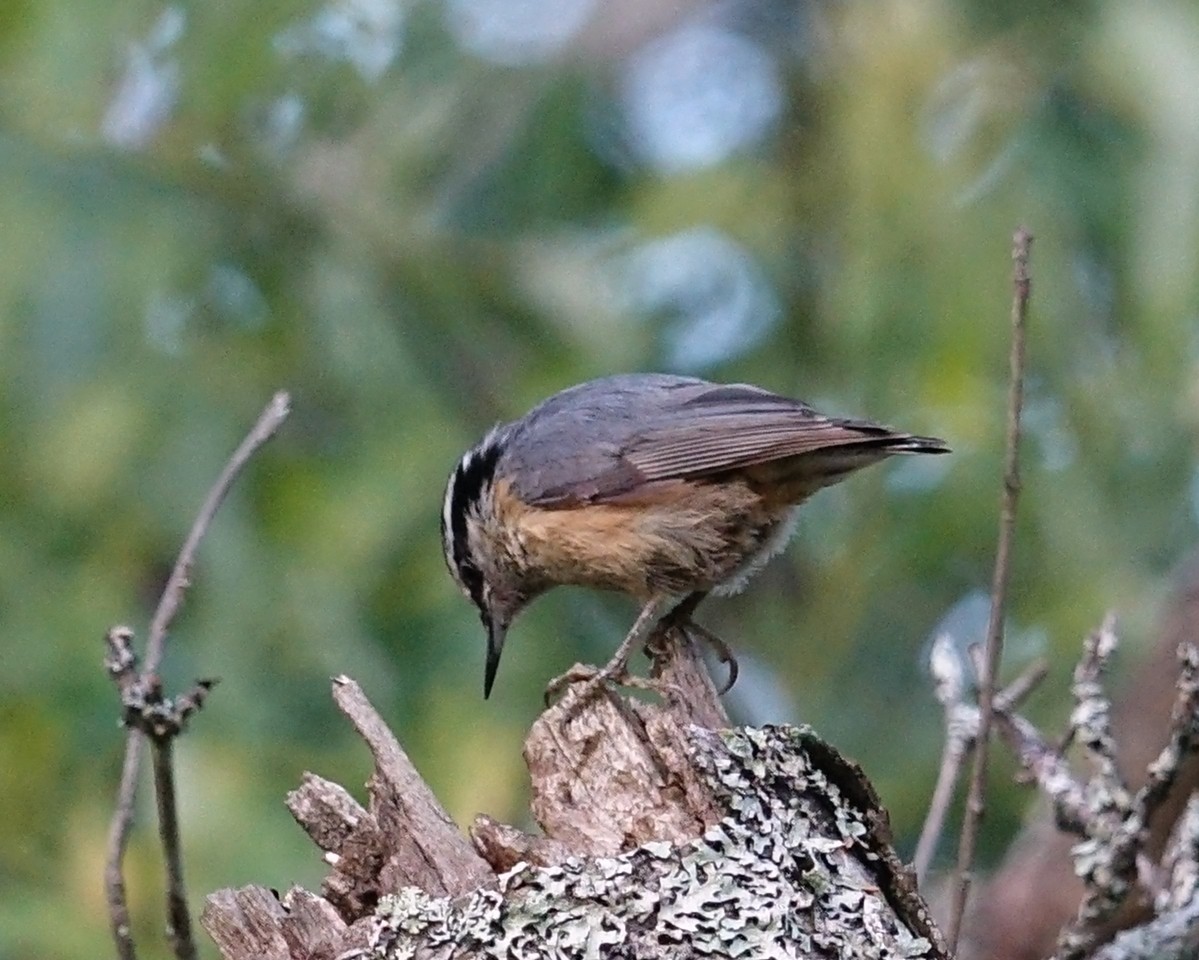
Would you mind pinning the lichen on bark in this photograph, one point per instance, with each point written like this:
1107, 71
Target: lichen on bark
795, 868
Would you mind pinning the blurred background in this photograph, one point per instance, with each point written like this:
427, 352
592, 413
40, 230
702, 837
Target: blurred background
421, 217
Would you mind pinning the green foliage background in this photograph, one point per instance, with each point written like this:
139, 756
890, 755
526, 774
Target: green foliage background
438, 244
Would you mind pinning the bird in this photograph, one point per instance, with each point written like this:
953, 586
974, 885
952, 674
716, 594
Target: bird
665, 488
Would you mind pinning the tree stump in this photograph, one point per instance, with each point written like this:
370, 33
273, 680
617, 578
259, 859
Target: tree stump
665, 835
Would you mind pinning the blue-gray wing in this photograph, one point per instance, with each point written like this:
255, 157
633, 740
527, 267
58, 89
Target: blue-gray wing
606, 438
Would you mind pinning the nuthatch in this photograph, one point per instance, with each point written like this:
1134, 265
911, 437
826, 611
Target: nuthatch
657, 486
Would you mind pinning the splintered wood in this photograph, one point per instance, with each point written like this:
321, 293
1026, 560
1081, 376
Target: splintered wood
664, 835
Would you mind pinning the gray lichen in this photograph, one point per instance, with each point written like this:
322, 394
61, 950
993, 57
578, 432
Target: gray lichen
795, 869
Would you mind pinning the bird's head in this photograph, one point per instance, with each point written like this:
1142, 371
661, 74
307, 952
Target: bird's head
475, 550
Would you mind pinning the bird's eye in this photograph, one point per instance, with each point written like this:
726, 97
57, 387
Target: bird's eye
472, 579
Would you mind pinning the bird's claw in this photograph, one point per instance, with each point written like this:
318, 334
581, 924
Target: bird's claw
586, 682
723, 652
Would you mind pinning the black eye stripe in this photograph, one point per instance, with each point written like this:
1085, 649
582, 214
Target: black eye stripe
473, 578
472, 476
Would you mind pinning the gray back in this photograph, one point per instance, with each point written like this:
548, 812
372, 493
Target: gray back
605, 437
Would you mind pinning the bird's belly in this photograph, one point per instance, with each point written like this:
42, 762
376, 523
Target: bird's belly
690, 536
773, 543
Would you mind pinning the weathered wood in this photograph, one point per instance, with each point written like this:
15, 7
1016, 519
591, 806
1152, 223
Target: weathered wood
794, 867
247, 922
422, 846
504, 846
625, 764
314, 930
326, 811
662, 838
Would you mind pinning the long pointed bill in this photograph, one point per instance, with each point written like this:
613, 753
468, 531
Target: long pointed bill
495, 646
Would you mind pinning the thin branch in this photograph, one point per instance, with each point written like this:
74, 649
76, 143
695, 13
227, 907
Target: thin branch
1180, 862
1045, 764
1112, 855
1184, 729
1169, 936
953, 757
949, 684
961, 732
1090, 720
1016, 692
121, 663
269, 421
179, 924
118, 837
1110, 859
975, 803
147, 714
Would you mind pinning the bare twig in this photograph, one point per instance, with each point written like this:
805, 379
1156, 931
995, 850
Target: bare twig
1109, 858
1016, 692
949, 685
1180, 862
147, 714
1170, 936
1184, 719
118, 837
1090, 720
179, 924
961, 732
1021, 242
1112, 856
269, 421
1043, 763
953, 756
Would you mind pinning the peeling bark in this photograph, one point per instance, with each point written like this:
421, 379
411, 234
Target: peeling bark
663, 837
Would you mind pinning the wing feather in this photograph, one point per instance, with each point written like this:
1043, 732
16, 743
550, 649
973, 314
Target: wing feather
711, 445
639, 429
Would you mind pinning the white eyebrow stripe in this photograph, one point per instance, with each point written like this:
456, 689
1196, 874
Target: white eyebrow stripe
447, 528
463, 468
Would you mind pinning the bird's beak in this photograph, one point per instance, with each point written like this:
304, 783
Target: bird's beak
496, 631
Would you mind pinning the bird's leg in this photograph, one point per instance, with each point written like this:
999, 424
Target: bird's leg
676, 619
680, 617
643, 627
617, 668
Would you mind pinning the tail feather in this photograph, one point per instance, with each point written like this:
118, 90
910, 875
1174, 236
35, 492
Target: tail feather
906, 443
793, 480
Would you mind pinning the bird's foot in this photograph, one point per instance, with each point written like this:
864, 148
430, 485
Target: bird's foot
584, 683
